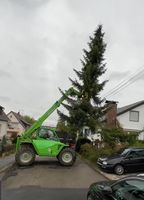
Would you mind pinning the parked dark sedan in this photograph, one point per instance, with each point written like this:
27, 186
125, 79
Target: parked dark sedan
131, 159
128, 188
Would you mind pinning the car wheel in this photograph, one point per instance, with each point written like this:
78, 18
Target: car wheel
25, 156
67, 157
89, 197
119, 169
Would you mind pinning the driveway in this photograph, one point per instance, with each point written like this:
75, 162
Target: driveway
4, 162
48, 180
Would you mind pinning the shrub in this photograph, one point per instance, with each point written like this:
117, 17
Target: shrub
4, 141
138, 143
14, 138
86, 150
8, 148
91, 153
115, 136
80, 142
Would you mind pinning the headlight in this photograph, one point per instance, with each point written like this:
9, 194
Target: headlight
104, 163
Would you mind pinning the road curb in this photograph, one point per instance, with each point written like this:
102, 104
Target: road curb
94, 167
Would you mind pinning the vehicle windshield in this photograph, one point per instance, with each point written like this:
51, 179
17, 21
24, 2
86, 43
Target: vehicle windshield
46, 133
129, 189
125, 152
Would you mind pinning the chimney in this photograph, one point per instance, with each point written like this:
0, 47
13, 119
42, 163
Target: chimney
111, 115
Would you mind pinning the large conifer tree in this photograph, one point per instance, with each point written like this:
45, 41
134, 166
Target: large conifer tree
87, 110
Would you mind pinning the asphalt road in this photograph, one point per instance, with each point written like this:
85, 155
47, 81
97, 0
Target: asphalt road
47, 180
6, 161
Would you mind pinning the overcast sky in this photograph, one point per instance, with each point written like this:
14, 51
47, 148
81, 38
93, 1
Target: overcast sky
41, 41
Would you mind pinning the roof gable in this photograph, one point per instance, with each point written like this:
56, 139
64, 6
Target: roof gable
20, 119
127, 108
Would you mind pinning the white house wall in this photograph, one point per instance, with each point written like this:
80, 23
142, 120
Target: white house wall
141, 136
15, 123
131, 125
3, 128
126, 123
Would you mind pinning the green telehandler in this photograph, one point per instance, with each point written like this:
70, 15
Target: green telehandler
42, 141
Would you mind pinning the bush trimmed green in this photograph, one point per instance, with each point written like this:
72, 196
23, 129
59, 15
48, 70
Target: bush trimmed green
89, 152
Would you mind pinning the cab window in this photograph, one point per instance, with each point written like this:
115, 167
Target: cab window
45, 133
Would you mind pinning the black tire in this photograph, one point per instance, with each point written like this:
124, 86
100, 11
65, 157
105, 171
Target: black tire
67, 157
119, 169
25, 156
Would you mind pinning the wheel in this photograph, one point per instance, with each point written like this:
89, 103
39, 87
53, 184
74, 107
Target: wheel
25, 156
67, 157
119, 169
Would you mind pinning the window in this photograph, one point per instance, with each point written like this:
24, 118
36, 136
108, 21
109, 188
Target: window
133, 154
46, 133
140, 153
129, 190
134, 116
125, 152
136, 154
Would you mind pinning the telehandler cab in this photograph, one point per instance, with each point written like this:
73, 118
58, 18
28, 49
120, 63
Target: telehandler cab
41, 141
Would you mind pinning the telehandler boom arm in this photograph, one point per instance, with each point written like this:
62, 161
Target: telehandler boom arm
39, 122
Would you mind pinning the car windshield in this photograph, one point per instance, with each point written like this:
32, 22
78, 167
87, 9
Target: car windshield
129, 189
125, 152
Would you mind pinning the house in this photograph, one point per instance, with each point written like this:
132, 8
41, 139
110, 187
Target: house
3, 122
17, 124
86, 132
129, 117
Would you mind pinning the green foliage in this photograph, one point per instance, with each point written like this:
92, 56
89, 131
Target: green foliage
9, 148
86, 150
80, 142
139, 143
29, 119
115, 140
14, 138
85, 110
6, 146
4, 141
112, 137
91, 153
61, 126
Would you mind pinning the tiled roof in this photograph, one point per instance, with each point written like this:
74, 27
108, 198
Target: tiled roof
129, 107
21, 120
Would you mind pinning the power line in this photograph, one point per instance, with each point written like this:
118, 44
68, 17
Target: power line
133, 79
125, 82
